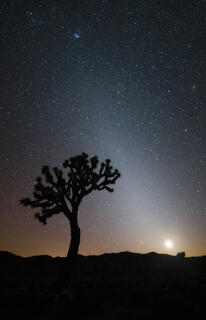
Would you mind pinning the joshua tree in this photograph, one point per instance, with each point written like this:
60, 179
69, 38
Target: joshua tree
60, 194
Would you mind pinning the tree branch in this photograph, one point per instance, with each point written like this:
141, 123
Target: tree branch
83, 177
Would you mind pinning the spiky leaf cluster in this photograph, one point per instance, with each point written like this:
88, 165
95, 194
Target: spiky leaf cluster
83, 176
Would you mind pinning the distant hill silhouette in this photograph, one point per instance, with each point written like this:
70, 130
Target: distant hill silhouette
121, 257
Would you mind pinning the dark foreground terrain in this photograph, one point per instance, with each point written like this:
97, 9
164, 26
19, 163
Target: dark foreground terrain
110, 286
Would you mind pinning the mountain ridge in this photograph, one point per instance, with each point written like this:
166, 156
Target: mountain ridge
4, 254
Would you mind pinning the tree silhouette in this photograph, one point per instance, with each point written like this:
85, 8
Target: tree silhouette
58, 194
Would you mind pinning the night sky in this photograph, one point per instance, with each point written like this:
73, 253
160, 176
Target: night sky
120, 79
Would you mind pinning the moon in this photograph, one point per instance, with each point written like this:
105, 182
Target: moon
168, 244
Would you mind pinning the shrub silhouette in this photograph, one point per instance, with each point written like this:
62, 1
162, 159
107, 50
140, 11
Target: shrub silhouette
181, 254
60, 194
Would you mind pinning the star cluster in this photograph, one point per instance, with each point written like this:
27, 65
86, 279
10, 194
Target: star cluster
123, 80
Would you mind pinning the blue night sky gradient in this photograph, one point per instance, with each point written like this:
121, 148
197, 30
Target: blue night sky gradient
123, 80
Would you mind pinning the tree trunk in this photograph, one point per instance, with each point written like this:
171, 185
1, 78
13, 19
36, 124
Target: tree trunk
66, 271
68, 266
75, 239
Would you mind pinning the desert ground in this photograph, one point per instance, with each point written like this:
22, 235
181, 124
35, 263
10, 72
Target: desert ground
111, 286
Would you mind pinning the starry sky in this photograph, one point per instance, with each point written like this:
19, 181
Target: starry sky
123, 80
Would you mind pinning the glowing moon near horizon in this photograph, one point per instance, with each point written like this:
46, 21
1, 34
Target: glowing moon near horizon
169, 244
